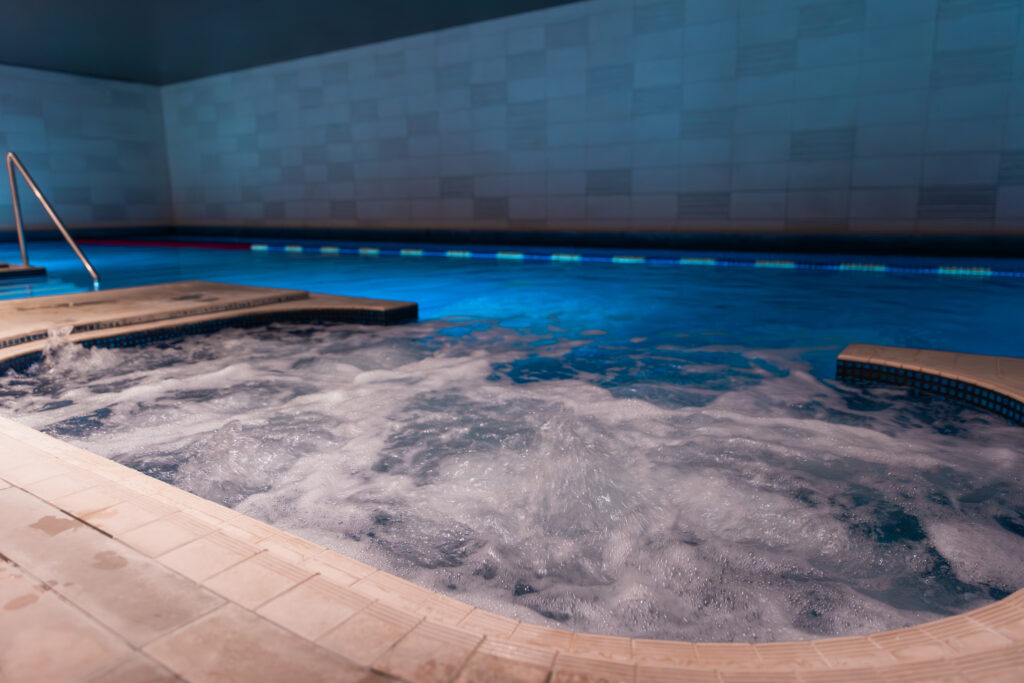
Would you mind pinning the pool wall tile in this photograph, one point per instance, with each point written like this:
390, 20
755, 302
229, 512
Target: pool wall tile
807, 101
95, 147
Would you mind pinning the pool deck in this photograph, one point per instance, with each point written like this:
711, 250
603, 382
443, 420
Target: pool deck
107, 574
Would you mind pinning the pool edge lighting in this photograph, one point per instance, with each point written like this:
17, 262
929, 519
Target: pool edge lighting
961, 271
970, 272
774, 264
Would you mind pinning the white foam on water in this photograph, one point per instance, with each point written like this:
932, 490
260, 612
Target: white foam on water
725, 494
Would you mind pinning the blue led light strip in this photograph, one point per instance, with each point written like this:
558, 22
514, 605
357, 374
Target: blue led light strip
631, 259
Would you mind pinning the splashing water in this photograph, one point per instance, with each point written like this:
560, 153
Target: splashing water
655, 486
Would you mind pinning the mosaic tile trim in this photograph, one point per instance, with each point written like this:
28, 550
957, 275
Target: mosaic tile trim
21, 363
164, 334
14, 341
958, 391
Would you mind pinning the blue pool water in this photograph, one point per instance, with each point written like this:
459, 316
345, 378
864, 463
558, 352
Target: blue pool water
764, 308
642, 450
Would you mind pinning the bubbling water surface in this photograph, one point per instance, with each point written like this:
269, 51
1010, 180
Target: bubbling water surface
653, 486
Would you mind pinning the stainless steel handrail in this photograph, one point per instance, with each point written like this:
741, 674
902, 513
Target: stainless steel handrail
14, 162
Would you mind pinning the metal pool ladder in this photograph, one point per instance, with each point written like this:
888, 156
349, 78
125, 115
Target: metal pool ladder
13, 162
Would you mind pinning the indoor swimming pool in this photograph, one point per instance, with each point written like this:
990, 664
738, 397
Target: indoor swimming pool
635, 449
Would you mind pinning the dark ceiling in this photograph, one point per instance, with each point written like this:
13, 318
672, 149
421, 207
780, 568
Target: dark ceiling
166, 41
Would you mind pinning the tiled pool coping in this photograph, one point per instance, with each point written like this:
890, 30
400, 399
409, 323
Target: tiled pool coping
108, 574
993, 383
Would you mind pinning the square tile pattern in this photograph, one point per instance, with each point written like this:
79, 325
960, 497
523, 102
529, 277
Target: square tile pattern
825, 115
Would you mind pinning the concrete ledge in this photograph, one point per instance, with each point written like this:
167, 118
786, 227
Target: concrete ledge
133, 315
993, 383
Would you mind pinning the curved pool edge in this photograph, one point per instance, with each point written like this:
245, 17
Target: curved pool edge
262, 579
213, 576
992, 383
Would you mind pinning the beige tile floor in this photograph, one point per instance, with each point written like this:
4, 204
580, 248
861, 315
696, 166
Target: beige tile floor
109, 575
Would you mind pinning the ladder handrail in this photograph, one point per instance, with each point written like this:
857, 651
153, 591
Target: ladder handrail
14, 162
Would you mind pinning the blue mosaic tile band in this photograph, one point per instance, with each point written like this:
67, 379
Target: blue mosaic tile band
660, 260
21, 363
164, 334
853, 372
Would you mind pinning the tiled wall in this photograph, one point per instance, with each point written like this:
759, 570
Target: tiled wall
858, 116
95, 147
835, 115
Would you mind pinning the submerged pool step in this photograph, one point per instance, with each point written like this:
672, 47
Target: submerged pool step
20, 290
